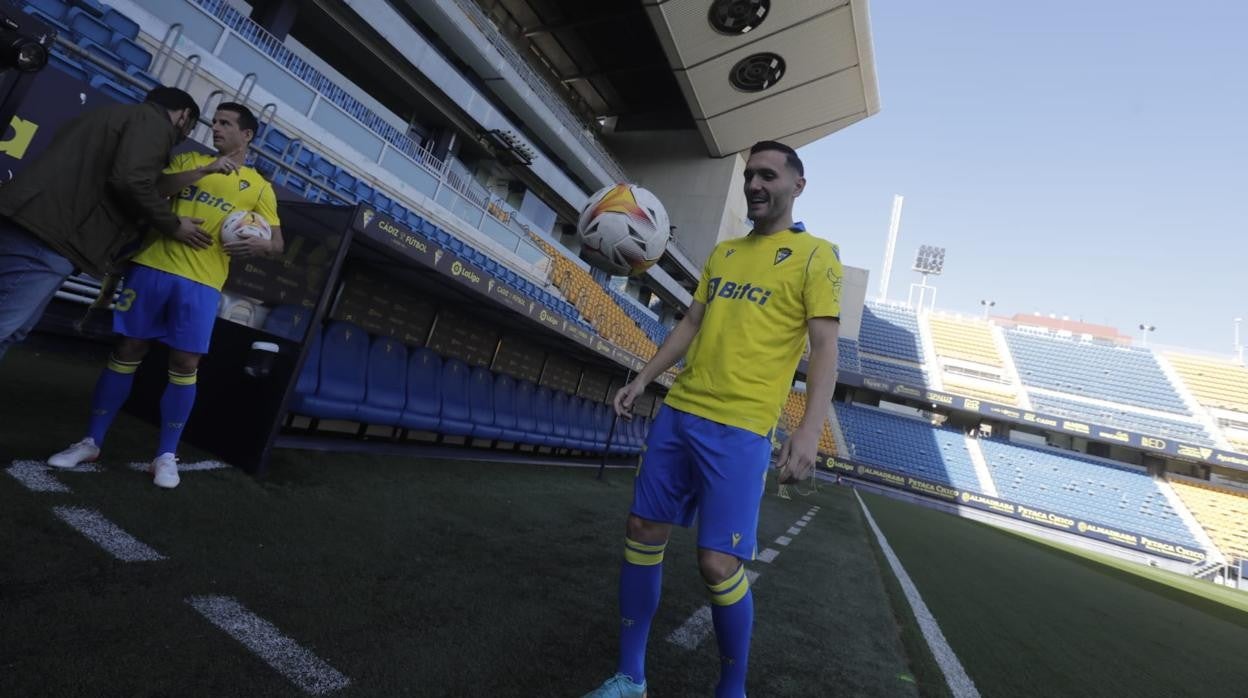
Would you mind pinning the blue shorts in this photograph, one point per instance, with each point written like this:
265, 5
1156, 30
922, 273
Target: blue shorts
171, 309
693, 466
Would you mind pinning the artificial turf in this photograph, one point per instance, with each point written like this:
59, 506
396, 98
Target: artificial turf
411, 577
1030, 619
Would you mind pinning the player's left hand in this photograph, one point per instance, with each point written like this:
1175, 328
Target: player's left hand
797, 456
248, 247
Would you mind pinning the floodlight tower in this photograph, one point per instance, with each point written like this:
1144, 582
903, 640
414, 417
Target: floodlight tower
930, 261
1239, 347
894, 225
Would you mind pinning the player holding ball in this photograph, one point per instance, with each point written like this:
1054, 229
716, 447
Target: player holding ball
173, 288
707, 452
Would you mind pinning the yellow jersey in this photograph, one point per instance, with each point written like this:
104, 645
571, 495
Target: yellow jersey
212, 198
759, 292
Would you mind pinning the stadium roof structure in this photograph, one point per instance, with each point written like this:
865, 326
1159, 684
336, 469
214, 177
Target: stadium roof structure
738, 70
792, 71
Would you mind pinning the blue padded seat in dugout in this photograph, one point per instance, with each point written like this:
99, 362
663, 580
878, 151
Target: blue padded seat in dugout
507, 410
481, 404
456, 414
310, 374
544, 416
343, 373
385, 394
578, 436
561, 421
287, 321
423, 407
526, 414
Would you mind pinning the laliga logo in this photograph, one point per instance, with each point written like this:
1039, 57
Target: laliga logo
1083, 527
458, 269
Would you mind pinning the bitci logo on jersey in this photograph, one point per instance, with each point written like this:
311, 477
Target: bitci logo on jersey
718, 288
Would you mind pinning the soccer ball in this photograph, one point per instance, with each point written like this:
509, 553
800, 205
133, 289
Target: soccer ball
244, 224
624, 230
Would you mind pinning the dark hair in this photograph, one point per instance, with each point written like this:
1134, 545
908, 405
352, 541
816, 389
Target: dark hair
173, 99
246, 120
790, 155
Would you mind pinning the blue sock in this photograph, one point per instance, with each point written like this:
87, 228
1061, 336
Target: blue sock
732, 610
175, 409
641, 581
111, 391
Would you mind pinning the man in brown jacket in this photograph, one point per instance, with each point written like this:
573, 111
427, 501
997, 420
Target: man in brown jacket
86, 201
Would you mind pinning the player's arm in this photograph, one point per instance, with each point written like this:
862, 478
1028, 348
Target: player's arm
266, 208
170, 183
673, 350
798, 457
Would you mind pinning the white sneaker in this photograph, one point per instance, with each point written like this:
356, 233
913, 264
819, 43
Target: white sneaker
165, 471
84, 451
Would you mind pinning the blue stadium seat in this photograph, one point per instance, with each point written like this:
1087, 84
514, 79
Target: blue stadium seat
94, 7
381, 201
304, 159
578, 438
424, 391
53, 9
526, 413
120, 24
323, 169
544, 416
287, 321
345, 182
362, 191
100, 55
87, 26
275, 141
561, 420
385, 394
131, 54
506, 410
399, 212
481, 404
343, 374
310, 374
145, 79
456, 412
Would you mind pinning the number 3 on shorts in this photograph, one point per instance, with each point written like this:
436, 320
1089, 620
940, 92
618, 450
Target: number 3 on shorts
125, 300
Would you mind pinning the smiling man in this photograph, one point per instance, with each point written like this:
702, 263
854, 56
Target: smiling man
706, 456
173, 288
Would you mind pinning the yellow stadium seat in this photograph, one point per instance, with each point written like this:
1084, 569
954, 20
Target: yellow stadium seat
1004, 396
1214, 383
1222, 512
966, 340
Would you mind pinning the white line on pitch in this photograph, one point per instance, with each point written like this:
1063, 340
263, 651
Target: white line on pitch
691, 633
184, 467
107, 534
768, 555
304, 669
801, 524
793, 530
34, 476
783, 540
955, 675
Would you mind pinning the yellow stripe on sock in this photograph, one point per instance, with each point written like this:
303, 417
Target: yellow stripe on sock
124, 367
728, 583
731, 597
644, 559
183, 378
645, 547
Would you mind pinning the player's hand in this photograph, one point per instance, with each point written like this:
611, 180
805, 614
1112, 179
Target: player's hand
625, 397
797, 456
222, 165
248, 247
190, 233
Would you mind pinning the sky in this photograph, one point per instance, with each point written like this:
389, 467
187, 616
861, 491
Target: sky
1085, 158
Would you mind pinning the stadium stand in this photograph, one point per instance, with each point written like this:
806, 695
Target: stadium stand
968, 341
1215, 383
891, 331
1127, 375
376, 381
1222, 512
1093, 490
593, 301
791, 416
847, 355
1003, 396
1122, 418
655, 330
907, 445
910, 375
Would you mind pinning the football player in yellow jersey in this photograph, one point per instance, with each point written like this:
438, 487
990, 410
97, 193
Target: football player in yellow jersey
707, 452
173, 287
